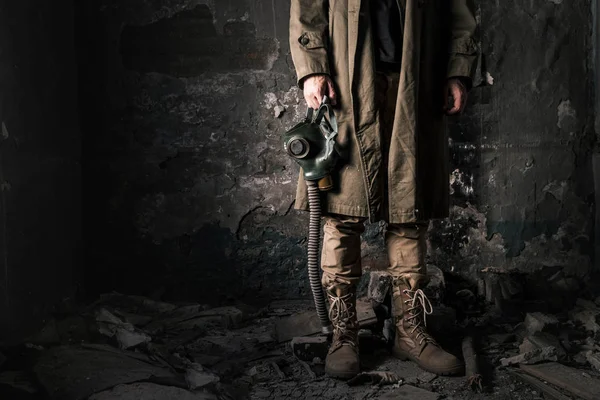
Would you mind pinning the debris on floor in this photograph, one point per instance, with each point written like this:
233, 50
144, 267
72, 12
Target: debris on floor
129, 347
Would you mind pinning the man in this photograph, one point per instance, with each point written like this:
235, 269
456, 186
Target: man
392, 68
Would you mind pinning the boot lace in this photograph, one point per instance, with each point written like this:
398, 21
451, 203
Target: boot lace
341, 316
420, 307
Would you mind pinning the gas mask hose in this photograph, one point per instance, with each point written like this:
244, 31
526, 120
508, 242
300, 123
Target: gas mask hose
311, 144
314, 241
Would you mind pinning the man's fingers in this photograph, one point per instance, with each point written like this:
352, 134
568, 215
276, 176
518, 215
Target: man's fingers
332, 95
456, 99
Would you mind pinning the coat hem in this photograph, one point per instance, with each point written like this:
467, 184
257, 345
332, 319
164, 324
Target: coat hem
358, 211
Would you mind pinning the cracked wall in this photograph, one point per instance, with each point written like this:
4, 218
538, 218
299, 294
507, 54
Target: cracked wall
184, 104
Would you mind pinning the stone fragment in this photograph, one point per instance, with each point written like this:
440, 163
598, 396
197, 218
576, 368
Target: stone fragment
540, 340
125, 333
531, 357
380, 284
593, 358
409, 392
197, 377
436, 288
589, 318
426, 377
538, 322
150, 391
307, 348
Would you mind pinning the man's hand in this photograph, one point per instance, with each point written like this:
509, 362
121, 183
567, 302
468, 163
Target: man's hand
317, 86
457, 91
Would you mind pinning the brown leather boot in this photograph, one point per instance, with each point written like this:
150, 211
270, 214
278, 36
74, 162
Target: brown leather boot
410, 307
342, 359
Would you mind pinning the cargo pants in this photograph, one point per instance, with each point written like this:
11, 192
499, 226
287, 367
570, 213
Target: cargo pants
406, 243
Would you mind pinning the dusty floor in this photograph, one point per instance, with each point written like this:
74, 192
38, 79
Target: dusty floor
130, 347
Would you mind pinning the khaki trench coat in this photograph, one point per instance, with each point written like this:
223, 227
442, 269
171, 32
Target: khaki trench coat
334, 37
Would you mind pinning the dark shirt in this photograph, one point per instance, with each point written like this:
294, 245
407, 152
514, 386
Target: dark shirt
387, 20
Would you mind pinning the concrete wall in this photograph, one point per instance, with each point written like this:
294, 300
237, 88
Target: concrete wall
191, 196
40, 172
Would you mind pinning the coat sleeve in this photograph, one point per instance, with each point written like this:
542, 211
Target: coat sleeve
463, 47
309, 34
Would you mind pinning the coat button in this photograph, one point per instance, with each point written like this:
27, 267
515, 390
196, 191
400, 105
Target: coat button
304, 40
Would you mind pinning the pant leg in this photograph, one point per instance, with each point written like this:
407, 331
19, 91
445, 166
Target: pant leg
341, 252
407, 247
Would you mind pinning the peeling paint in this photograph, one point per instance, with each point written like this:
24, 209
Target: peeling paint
5, 134
564, 112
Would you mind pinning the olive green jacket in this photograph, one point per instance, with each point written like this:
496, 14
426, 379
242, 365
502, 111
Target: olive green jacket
334, 37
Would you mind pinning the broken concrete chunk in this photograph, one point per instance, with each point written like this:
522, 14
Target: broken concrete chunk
380, 284
197, 377
426, 377
125, 333
589, 318
540, 340
593, 358
150, 391
408, 392
538, 322
531, 357
307, 348
436, 288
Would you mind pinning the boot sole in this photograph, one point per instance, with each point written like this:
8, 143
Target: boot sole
341, 374
455, 370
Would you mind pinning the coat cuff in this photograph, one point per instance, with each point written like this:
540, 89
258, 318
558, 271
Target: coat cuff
314, 58
463, 58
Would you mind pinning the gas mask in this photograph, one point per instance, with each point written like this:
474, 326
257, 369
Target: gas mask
311, 144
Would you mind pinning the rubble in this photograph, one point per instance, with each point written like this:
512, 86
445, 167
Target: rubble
197, 377
307, 348
379, 287
593, 358
538, 322
150, 391
197, 352
540, 340
567, 378
531, 357
410, 392
436, 288
125, 333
